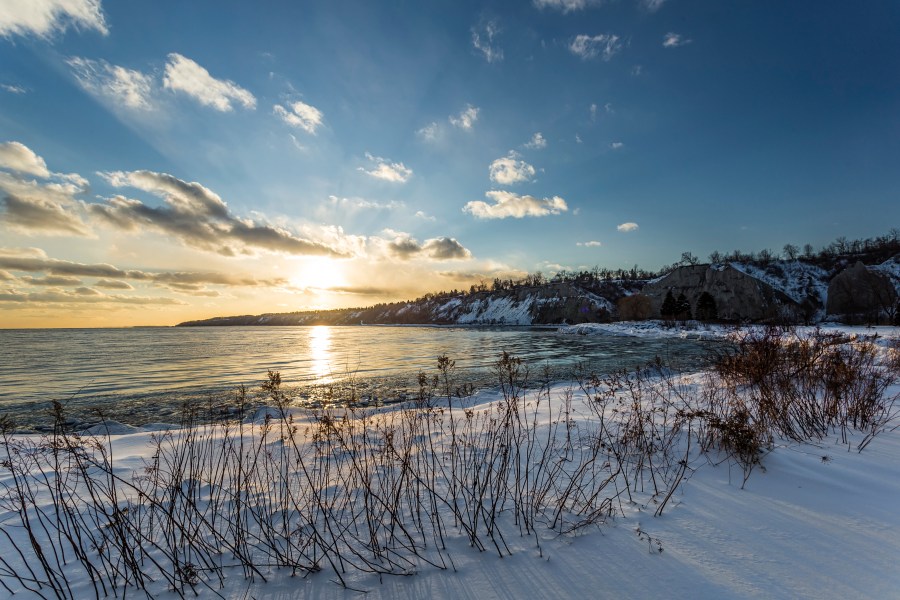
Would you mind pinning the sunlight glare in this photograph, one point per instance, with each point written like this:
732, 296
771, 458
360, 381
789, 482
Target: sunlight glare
319, 273
320, 354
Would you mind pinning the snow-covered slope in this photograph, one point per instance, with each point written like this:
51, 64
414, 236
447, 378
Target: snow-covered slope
797, 279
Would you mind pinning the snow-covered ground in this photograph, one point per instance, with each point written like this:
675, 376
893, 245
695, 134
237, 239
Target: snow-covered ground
814, 520
882, 334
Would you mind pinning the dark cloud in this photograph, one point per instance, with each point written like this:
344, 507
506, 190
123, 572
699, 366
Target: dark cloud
363, 291
193, 289
53, 266
198, 217
113, 284
406, 247
82, 297
38, 213
56, 280
47, 207
444, 248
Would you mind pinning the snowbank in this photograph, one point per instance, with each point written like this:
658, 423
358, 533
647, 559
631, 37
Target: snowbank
815, 520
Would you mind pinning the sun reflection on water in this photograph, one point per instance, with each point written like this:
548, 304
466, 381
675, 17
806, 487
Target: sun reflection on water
320, 354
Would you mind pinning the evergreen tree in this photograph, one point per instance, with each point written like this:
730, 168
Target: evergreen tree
669, 308
706, 307
682, 308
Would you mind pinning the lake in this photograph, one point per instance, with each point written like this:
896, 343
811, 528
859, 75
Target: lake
144, 375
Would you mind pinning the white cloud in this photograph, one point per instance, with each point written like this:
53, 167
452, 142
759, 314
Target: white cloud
564, 5
652, 5
358, 204
16, 156
466, 119
301, 115
44, 18
508, 170
184, 75
13, 89
593, 110
616, 145
508, 204
430, 132
386, 170
636, 70
297, 143
626, 227
590, 244
425, 217
537, 142
127, 87
673, 40
605, 45
578, 139
483, 41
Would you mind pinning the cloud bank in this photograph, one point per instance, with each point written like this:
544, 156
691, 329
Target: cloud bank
197, 216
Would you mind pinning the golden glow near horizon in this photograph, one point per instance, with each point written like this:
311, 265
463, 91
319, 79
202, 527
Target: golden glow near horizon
318, 273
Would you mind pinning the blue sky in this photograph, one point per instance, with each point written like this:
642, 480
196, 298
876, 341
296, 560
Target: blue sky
229, 157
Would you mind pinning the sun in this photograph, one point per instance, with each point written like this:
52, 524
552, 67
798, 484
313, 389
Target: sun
319, 273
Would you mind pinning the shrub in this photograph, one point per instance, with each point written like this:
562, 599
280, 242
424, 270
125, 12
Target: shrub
636, 307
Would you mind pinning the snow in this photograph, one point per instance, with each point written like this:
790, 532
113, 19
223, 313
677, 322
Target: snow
891, 268
881, 335
814, 521
797, 279
493, 309
109, 427
651, 329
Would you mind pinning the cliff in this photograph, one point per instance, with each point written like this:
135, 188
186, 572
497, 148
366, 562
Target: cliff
552, 303
782, 291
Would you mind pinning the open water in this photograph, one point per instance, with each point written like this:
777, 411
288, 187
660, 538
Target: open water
146, 375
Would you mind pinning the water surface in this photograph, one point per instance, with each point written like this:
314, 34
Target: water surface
144, 375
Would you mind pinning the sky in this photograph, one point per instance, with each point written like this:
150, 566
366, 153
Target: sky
168, 160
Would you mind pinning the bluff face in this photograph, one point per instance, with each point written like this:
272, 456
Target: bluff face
776, 292
552, 303
862, 293
737, 295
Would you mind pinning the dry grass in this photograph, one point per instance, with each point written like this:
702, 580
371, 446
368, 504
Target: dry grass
386, 490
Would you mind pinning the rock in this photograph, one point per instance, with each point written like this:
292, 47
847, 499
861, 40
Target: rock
861, 293
738, 296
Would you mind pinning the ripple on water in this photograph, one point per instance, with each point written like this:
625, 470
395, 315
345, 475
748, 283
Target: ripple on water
145, 375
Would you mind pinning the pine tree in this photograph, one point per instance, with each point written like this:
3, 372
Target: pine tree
682, 308
669, 308
706, 307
